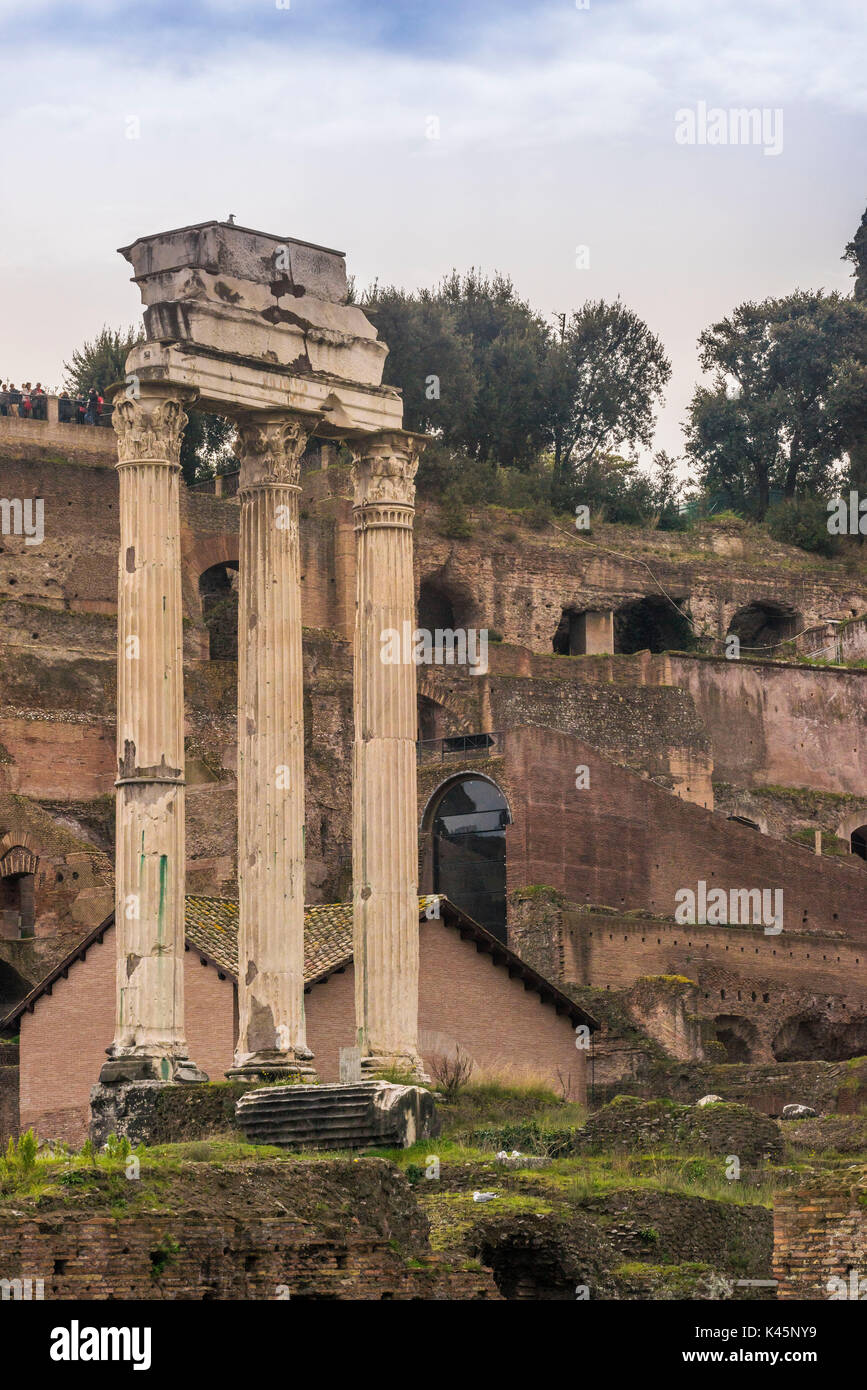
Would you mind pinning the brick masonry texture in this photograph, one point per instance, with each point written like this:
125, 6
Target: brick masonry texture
270, 1231
820, 1235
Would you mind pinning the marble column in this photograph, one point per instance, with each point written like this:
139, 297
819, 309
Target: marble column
149, 1041
384, 813
272, 1037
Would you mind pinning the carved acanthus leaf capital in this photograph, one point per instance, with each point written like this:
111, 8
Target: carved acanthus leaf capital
270, 450
384, 468
149, 427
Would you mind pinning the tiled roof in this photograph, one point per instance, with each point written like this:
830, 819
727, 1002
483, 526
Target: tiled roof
212, 928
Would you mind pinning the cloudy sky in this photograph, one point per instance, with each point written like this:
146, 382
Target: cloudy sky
313, 118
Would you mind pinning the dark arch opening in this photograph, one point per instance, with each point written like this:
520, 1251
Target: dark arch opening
435, 608
651, 624
568, 639
813, 1037
17, 905
218, 591
764, 625
432, 719
745, 820
469, 850
737, 1035
858, 842
13, 988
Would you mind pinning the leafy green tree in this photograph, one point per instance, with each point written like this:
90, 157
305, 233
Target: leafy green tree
101, 361
470, 358
856, 252
851, 401
771, 416
207, 447
605, 378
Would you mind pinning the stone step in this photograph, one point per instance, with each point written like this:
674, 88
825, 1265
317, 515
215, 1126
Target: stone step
371, 1114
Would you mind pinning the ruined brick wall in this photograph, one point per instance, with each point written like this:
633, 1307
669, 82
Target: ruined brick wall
518, 581
786, 725
625, 843
280, 1232
820, 1238
9, 1120
740, 973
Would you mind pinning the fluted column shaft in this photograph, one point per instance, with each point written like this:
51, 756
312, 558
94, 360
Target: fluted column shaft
272, 1037
384, 836
149, 1038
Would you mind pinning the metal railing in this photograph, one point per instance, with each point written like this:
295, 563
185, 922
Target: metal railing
458, 746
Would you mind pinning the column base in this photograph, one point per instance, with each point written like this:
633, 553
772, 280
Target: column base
136, 1066
395, 1064
288, 1067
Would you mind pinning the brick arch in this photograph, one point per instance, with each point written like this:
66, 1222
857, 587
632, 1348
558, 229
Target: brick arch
206, 551
436, 686
850, 823
457, 775
18, 854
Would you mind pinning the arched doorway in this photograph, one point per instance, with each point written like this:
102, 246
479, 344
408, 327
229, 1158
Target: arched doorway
468, 819
435, 608
763, 626
651, 624
18, 865
737, 1035
858, 842
218, 591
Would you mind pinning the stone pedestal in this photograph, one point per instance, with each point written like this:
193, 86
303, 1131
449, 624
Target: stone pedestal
149, 1042
371, 1114
384, 840
271, 1039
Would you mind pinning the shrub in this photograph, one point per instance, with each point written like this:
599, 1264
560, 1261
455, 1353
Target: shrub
454, 522
452, 1073
803, 522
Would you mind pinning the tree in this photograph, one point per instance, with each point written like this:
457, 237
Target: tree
208, 439
856, 252
851, 401
605, 378
101, 361
771, 417
207, 447
470, 358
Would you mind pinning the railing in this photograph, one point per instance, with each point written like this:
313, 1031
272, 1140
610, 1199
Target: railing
462, 746
51, 409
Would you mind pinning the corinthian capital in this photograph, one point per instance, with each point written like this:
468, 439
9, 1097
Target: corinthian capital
149, 426
384, 468
270, 448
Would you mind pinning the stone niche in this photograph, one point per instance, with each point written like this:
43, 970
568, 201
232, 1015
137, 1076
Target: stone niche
225, 304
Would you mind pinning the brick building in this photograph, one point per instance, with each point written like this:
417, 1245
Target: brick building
474, 993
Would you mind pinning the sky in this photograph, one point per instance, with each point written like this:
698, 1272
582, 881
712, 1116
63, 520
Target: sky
421, 135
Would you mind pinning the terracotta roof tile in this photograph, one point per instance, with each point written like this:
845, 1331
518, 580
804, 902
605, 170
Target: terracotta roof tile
212, 928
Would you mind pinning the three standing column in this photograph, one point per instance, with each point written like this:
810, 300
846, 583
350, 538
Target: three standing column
149, 1042
272, 1036
384, 836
